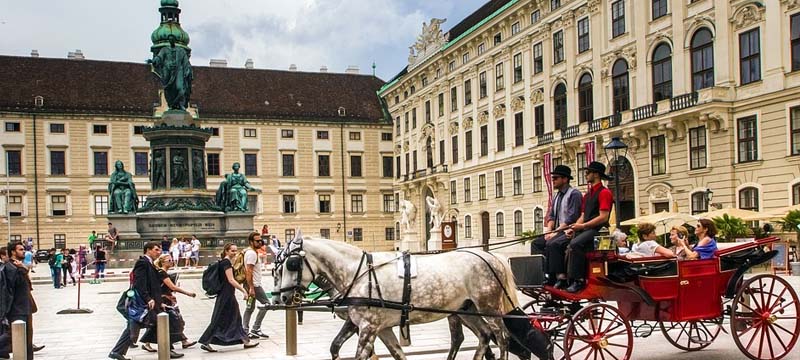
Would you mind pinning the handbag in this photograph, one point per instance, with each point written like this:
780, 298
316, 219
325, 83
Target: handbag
137, 309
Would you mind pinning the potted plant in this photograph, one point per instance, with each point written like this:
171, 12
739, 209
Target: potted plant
791, 223
730, 228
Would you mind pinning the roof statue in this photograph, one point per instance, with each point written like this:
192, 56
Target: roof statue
428, 42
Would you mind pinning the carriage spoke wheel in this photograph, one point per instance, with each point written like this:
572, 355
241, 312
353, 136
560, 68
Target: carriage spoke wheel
598, 331
764, 318
691, 335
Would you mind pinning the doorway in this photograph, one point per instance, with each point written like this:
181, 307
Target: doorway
485, 230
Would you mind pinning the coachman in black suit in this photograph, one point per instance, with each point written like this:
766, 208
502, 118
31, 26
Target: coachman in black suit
147, 284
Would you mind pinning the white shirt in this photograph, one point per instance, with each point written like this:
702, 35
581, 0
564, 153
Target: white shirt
251, 258
646, 248
195, 245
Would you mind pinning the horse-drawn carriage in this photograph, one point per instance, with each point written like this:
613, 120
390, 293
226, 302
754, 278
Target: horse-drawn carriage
688, 300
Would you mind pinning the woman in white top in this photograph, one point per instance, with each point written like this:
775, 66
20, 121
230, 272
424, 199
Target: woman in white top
647, 245
175, 249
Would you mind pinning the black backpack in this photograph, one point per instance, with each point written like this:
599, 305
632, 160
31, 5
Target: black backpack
52, 261
212, 283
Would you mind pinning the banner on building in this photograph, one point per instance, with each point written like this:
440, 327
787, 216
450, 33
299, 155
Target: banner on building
590, 148
547, 168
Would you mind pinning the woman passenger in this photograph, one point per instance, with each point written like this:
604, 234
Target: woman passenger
676, 236
176, 323
706, 243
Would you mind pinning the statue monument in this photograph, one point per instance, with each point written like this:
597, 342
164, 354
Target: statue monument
408, 227
179, 202
232, 193
436, 213
122, 197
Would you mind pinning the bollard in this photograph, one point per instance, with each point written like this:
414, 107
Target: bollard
19, 340
291, 332
162, 334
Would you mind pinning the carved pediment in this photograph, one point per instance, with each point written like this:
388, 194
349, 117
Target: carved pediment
398, 149
467, 123
517, 104
628, 53
405, 145
537, 96
453, 127
747, 15
428, 131
791, 4
483, 117
659, 192
499, 111
428, 42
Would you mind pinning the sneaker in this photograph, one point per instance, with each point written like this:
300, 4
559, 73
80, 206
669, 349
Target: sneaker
258, 334
577, 286
561, 284
252, 335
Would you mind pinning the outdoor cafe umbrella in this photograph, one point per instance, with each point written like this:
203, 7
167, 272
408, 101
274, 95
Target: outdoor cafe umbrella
664, 221
772, 215
732, 212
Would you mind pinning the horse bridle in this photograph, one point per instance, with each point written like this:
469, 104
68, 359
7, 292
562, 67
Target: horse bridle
294, 258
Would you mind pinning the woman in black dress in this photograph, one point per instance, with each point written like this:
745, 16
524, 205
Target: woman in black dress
176, 324
225, 327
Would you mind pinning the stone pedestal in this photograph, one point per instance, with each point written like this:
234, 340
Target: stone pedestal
435, 241
410, 242
126, 225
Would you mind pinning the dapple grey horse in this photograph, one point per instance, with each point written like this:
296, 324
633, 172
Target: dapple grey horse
448, 281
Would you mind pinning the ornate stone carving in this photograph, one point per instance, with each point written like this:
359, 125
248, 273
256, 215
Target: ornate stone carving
568, 18
428, 131
187, 204
746, 16
429, 41
537, 96
453, 127
593, 6
405, 145
659, 192
790, 4
499, 111
628, 53
659, 37
467, 123
483, 117
398, 149
517, 104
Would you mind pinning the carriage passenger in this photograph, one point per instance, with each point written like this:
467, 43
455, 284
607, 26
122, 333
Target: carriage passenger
620, 239
565, 209
648, 246
597, 203
706, 244
677, 235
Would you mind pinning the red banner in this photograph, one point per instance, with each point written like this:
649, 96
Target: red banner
547, 168
589, 147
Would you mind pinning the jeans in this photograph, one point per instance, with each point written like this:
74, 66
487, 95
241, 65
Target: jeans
55, 272
261, 296
100, 268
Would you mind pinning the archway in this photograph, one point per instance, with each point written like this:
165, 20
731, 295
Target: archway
627, 193
485, 230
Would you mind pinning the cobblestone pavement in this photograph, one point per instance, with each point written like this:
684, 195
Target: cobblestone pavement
92, 336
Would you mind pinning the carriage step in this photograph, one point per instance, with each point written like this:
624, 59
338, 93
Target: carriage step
643, 331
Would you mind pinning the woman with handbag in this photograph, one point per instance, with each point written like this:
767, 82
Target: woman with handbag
225, 327
176, 324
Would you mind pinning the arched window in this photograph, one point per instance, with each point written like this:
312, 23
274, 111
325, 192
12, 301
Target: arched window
500, 222
699, 203
585, 98
702, 59
662, 72
796, 194
518, 223
748, 199
468, 226
619, 80
560, 106
538, 220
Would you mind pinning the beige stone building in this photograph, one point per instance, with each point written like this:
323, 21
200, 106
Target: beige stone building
706, 94
316, 146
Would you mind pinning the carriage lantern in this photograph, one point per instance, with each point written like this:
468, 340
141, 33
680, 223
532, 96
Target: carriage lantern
615, 150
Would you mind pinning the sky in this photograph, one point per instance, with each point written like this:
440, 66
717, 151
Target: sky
275, 34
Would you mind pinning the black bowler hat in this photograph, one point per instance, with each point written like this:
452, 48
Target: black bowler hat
563, 170
599, 168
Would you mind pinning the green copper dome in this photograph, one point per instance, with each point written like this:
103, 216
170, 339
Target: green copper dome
169, 3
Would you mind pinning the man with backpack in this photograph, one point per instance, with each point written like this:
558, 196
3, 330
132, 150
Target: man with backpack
252, 270
55, 263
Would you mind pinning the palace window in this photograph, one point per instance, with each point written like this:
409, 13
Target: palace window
355, 136
484, 140
662, 73
99, 129
794, 123
580, 163
453, 98
499, 83
482, 187
467, 92
519, 130
386, 136
357, 203
500, 225
287, 164
697, 148
213, 164
535, 16
621, 90
517, 177
501, 135
59, 205
558, 47
251, 165
747, 133
659, 8
514, 28
58, 162
658, 155
617, 18
498, 183
748, 199
585, 98
324, 203
251, 133
583, 35
468, 227
537, 177
518, 223
101, 204
468, 145
388, 171
796, 194
325, 233
702, 59
453, 193
100, 163
355, 166
517, 61
750, 56
289, 204
467, 190
56, 128
699, 203
538, 220
538, 61
482, 92
560, 107
441, 104
454, 149
13, 126
427, 112
538, 120
389, 233
324, 135
388, 203
140, 163
795, 34
288, 235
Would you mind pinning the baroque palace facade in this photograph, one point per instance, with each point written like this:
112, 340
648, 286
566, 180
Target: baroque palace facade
706, 94
317, 147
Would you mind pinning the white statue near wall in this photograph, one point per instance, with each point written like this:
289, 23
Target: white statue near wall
437, 213
408, 215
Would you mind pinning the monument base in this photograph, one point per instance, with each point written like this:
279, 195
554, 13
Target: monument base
410, 242
435, 241
176, 118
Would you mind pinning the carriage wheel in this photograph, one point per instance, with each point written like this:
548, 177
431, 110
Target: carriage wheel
691, 335
764, 317
598, 331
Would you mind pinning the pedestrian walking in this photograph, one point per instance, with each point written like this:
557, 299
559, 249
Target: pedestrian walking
175, 250
253, 265
83, 262
28, 261
186, 252
55, 263
146, 284
195, 248
225, 327
176, 323
100, 261
164, 245
18, 283
67, 266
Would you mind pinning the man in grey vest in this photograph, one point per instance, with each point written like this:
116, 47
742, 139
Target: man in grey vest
565, 209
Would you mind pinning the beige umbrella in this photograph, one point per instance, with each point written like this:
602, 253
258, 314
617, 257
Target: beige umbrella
775, 214
664, 221
733, 212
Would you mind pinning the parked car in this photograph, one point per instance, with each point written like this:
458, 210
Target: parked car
42, 256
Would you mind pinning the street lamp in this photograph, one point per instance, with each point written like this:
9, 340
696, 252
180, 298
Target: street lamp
709, 195
615, 150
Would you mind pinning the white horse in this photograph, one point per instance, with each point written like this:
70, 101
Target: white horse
449, 281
